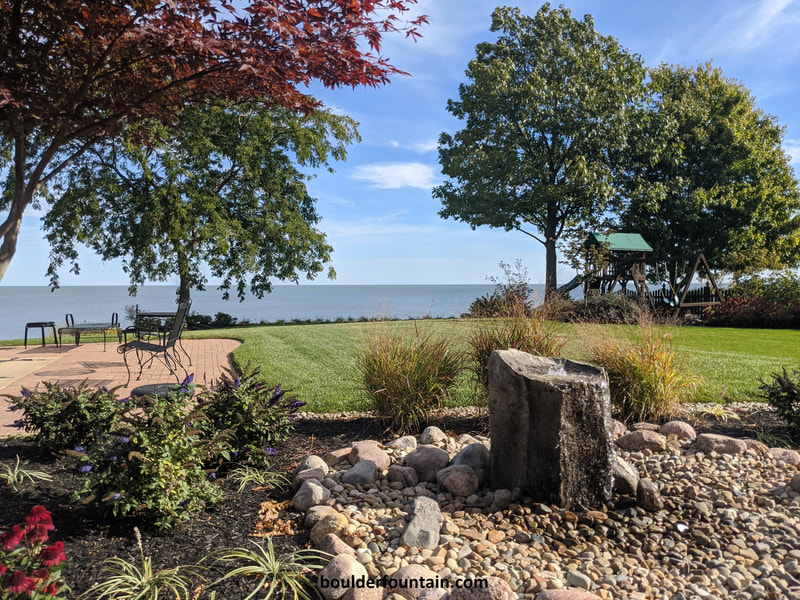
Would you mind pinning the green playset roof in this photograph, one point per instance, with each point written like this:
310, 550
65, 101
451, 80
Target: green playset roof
623, 242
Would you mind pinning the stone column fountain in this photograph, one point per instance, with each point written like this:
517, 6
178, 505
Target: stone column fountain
550, 426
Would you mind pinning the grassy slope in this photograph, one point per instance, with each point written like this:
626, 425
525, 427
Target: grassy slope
317, 361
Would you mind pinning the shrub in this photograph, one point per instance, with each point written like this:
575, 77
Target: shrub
28, 568
404, 378
253, 415
783, 392
753, 312
153, 463
781, 288
511, 297
608, 309
531, 335
64, 417
645, 377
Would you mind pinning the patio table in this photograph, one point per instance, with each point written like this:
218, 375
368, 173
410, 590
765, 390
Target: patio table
77, 329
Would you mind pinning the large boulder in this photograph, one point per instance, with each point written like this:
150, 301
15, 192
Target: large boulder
427, 461
550, 424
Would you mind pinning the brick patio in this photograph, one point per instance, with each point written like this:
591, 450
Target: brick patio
70, 365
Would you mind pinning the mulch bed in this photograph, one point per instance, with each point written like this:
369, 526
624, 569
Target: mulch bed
90, 537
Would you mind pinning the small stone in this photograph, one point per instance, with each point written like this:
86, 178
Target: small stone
432, 435
642, 439
648, 496
683, 430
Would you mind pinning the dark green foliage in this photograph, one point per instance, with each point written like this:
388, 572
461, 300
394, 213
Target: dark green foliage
783, 393
531, 335
706, 172
152, 464
405, 378
609, 309
254, 415
545, 110
220, 320
65, 417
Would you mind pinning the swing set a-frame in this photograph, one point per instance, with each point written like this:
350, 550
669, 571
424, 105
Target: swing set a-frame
624, 260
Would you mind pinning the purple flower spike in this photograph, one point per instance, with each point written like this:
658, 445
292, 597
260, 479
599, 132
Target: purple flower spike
26, 393
298, 404
212, 476
271, 451
17, 424
85, 468
79, 449
124, 439
113, 458
117, 497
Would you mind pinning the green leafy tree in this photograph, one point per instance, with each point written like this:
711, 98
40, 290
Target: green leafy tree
546, 112
707, 173
223, 188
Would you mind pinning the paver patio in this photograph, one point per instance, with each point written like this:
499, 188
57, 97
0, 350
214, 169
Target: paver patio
71, 365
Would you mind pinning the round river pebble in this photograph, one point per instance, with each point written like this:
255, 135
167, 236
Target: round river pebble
729, 528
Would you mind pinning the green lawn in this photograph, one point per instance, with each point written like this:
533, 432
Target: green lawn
317, 361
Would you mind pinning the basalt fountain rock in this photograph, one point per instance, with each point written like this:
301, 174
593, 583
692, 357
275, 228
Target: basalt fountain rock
550, 426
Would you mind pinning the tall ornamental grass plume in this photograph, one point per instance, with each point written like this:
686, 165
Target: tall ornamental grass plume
529, 334
405, 378
646, 377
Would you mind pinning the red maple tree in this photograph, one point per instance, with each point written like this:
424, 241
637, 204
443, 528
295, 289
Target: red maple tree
74, 71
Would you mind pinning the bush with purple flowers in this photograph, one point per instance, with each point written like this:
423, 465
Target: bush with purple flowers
64, 417
249, 412
152, 464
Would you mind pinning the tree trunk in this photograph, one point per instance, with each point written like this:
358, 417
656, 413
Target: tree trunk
551, 264
184, 291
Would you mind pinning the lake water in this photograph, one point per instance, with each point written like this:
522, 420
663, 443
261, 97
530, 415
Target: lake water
24, 304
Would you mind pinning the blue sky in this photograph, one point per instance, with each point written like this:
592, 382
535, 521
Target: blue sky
377, 208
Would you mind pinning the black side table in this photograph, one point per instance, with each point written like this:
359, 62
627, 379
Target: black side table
41, 325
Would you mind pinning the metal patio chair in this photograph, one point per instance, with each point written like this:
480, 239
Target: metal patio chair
166, 351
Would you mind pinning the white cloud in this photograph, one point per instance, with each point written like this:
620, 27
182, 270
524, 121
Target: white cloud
792, 148
393, 176
425, 146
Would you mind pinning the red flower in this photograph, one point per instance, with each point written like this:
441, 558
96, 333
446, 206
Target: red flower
51, 589
20, 582
52, 555
38, 513
3, 569
11, 539
41, 574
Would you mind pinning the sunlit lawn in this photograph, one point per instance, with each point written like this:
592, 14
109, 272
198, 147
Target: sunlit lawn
317, 361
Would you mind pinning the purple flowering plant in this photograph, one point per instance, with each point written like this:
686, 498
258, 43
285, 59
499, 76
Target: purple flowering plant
152, 464
65, 417
252, 414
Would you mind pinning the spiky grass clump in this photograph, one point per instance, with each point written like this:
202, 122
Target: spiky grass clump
407, 377
646, 378
532, 335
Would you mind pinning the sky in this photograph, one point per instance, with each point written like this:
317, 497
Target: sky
377, 209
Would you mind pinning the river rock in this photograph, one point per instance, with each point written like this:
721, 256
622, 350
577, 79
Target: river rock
306, 474
335, 523
459, 480
334, 457
495, 589
333, 544
432, 435
550, 424
311, 493
626, 477
369, 450
427, 461
795, 483
648, 495
341, 568
475, 456
790, 457
683, 430
407, 442
422, 530
312, 462
364, 472
315, 514
412, 581
721, 444
404, 475
642, 439
566, 595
